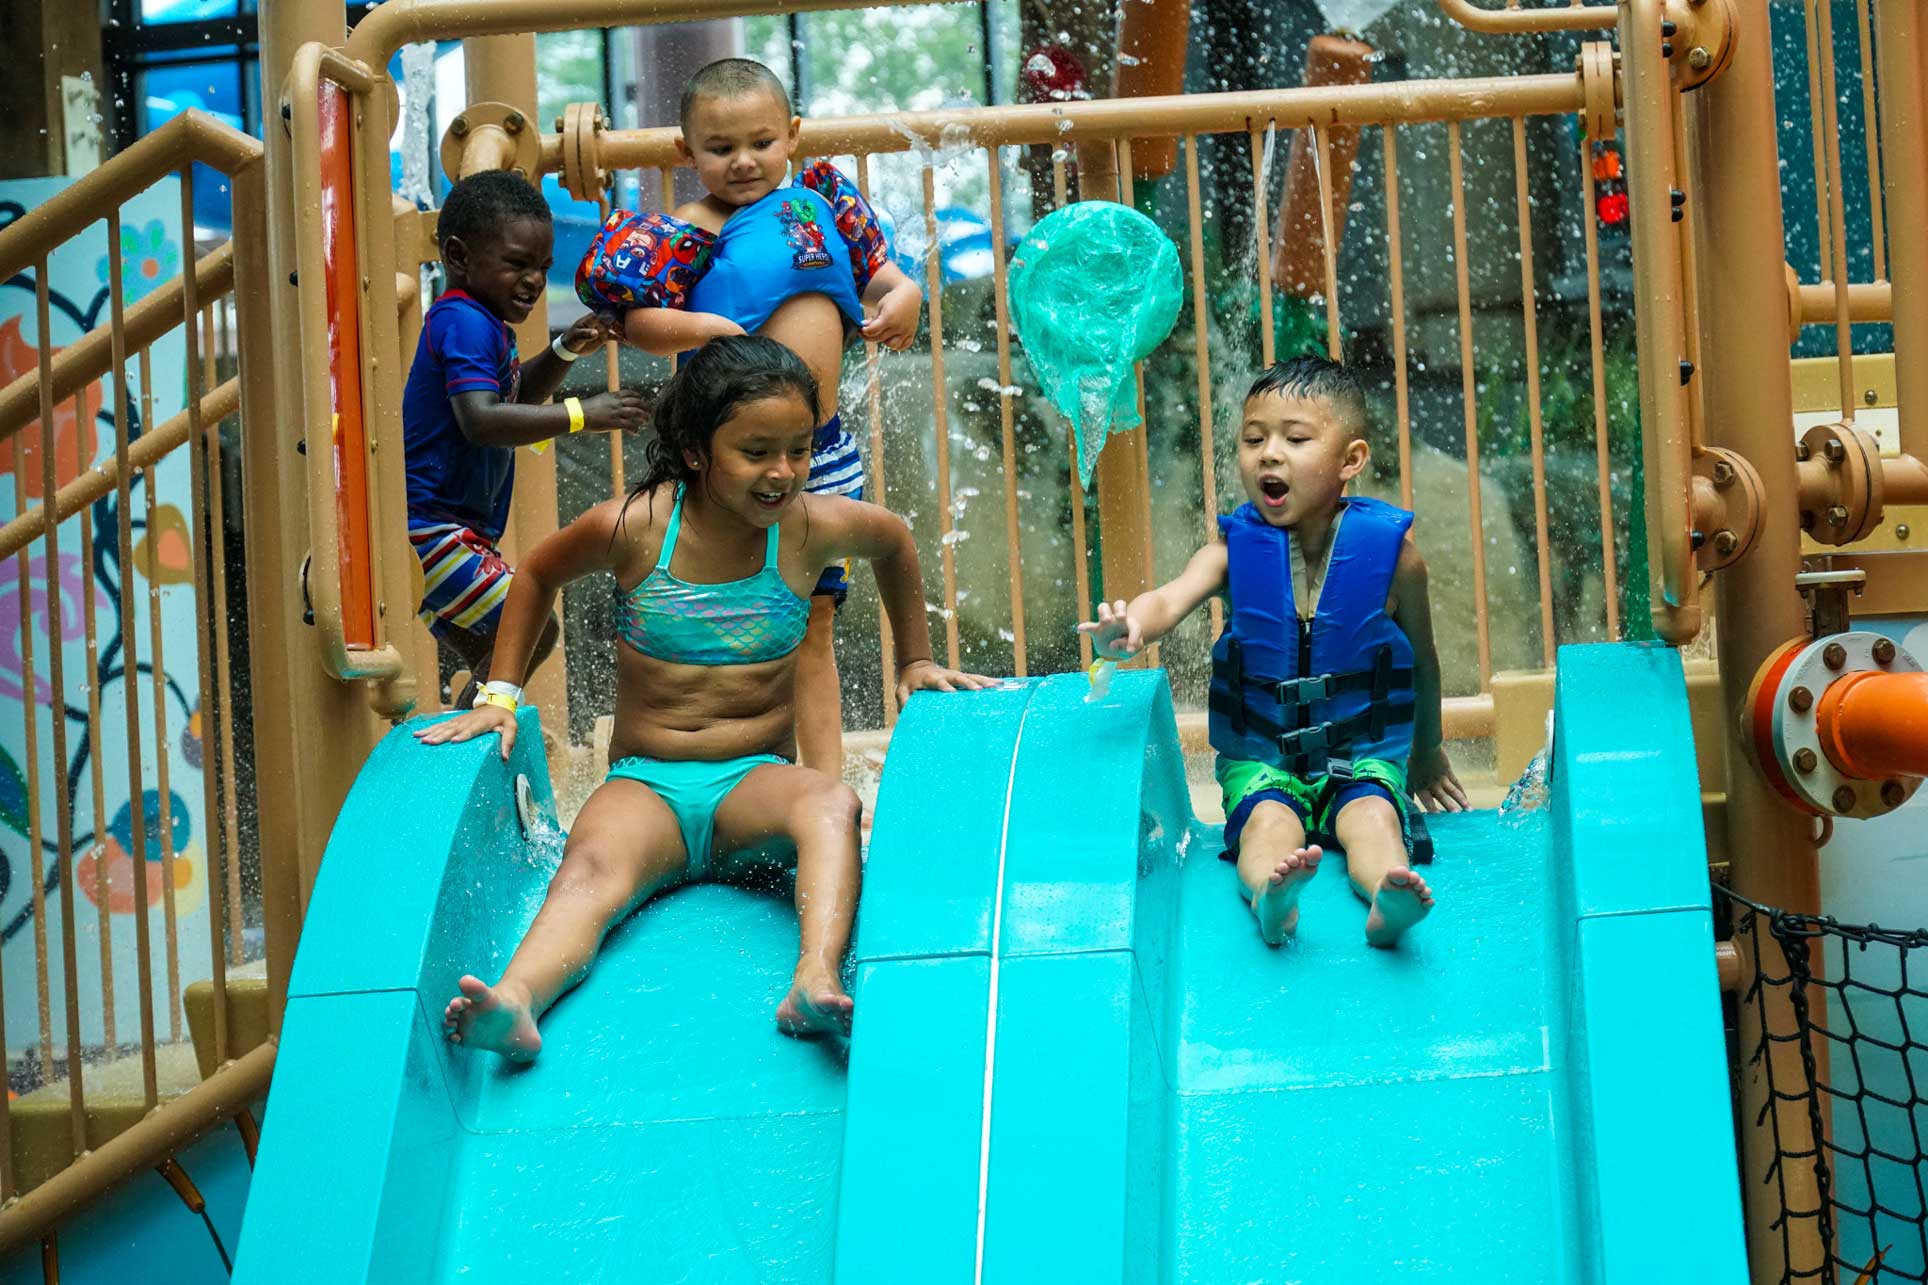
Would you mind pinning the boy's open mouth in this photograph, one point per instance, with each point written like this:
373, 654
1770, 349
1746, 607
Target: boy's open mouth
1274, 490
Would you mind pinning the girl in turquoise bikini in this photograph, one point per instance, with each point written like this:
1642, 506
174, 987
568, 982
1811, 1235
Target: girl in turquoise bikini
714, 554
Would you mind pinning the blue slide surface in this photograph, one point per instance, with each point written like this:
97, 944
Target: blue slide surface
1074, 1060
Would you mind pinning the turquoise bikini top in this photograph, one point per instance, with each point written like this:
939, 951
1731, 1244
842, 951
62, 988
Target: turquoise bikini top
743, 622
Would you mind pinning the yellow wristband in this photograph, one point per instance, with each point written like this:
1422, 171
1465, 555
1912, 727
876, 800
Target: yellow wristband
575, 413
503, 699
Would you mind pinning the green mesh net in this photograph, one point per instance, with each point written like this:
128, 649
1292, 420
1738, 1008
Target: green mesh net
1094, 289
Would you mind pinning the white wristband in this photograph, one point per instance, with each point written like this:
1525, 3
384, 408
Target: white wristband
563, 350
498, 688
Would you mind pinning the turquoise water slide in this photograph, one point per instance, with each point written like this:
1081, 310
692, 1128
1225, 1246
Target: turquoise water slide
1074, 1060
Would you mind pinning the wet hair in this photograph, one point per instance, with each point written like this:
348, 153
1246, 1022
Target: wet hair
731, 78
481, 205
1312, 378
721, 376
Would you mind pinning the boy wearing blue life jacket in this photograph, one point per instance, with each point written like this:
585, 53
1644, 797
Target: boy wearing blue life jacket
797, 256
1325, 701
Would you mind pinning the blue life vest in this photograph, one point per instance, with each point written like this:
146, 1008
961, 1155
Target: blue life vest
1312, 696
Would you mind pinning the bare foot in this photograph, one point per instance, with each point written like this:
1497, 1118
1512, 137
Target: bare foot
485, 1017
1403, 899
1277, 903
816, 1004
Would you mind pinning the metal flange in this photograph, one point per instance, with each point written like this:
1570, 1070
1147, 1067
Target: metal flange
1729, 501
1601, 86
491, 136
1841, 478
1705, 30
580, 130
1785, 715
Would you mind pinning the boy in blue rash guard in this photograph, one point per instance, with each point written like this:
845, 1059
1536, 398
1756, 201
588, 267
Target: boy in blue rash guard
797, 256
469, 402
1325, 702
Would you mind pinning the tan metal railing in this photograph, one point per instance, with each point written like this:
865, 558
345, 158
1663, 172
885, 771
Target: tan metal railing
1098, 137
215, 301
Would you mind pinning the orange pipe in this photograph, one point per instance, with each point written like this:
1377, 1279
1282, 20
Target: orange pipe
1875, 725
1298, 259
344, 350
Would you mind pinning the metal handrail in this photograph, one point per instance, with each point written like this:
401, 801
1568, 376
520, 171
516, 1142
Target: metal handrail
92, 355
1513, 20
379, 663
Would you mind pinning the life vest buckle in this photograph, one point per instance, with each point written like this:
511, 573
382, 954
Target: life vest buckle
1306, 741
1303, 691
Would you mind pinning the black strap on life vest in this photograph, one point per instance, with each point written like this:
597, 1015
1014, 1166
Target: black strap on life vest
1302, 749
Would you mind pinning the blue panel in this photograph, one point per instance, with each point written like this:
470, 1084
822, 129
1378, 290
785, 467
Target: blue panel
1680, 1220
1077, 1145
448, 862
355, 1096
1624, 760
930, 876
913, 1134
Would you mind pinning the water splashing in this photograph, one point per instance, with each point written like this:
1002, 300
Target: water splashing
1529, 794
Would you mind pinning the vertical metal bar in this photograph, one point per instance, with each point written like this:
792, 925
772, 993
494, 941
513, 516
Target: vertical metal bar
668, 173
1469, 394
210, 625
1139, 437
1871, 139
36, 833
157, 670
1837, 218
1536, 429
1201, 329
123, 498
874, 402
1823, 237
612, 381
217, 722
96, 772
1904, 51
1322, 149
57, 672
1261, 230
1402, 391
1602, 456
1059, 185
1689, 291
1006, 416
1081, 572
940, 408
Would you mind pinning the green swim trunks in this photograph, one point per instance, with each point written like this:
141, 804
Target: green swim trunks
1315, 800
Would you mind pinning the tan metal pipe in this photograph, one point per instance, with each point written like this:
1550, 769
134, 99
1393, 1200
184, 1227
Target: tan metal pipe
1512, 21
171, 1127
1903, 49
89, 357
1867, 301
1904, 480
1748, 396
1398, 102
1650, 101
104, 476
191, 136
387, 28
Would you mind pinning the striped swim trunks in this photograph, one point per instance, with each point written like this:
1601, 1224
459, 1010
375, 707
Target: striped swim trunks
464, 578
835, 469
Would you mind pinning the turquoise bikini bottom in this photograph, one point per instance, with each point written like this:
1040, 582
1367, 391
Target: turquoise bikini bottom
694, 790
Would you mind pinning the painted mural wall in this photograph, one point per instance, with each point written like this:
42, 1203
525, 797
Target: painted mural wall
117, 878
